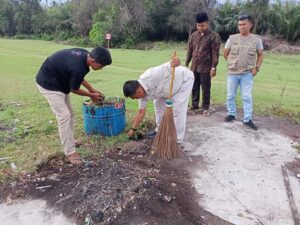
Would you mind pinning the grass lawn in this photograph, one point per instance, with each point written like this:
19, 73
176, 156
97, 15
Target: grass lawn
28, 130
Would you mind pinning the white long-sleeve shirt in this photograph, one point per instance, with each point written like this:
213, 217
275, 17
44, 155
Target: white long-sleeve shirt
156, 82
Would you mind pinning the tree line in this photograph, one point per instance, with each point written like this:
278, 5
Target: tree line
86, 22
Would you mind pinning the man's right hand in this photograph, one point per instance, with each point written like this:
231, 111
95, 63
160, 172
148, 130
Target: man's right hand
213, 73
175, 61
254, 72
131, 133
96, 96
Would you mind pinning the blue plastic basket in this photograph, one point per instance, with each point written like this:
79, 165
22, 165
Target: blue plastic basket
106, 120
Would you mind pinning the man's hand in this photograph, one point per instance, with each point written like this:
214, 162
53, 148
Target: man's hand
89, 87
175, 61
136, 121
131, 133
96, 97
254, 71
93, 90
213, 73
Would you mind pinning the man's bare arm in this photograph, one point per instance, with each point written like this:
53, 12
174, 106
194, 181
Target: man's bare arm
189, 53
260, 57
87, 85
138, 118
136, 121
86, 93
226, 53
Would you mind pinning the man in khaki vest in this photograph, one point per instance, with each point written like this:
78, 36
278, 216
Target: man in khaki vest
244, 55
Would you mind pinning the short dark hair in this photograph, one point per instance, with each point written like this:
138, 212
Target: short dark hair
130, 87
201, 17
101, 55
245, 16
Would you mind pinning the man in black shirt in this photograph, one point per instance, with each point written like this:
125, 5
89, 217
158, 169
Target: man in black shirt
62, 73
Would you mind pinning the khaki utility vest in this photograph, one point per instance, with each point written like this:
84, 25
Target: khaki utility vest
243, 52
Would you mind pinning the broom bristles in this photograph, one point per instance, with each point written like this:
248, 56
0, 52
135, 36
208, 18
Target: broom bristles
165, 142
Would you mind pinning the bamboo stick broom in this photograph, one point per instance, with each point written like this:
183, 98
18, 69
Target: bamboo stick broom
165, 143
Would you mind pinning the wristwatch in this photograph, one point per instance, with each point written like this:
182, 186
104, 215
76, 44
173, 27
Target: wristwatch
213, 68
133, 129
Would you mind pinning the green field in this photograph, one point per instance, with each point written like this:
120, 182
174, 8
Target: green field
35, 136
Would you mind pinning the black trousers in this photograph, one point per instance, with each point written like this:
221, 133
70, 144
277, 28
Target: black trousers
202, 80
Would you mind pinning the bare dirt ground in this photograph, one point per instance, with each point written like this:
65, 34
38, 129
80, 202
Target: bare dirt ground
127, 185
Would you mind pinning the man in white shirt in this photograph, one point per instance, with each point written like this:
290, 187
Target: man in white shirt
154, 84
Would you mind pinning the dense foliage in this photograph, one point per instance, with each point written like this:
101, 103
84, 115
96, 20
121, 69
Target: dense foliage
134, 21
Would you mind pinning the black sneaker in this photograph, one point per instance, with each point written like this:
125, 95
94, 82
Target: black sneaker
251, 125
229, 118
151, 134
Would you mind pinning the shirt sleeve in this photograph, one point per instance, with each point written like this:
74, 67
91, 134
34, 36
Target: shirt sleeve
158, 71
165, 67
143, 103
228, 44
259, 45
216, 44
189, 52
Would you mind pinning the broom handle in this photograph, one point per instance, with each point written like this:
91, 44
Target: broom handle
172, 78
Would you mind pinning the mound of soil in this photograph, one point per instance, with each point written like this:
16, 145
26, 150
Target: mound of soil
279, 45
127, 185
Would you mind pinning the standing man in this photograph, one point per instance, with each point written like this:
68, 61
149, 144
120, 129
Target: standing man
203, 50
154, 84
62, 73
244, 55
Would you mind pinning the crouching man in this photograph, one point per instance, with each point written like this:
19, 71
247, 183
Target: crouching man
154, 84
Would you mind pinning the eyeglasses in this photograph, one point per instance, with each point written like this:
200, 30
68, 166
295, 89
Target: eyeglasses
244, 17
